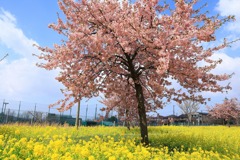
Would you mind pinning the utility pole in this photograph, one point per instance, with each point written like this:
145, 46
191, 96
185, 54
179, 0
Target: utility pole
19, 107
3, 105
34, 113
96, 112
86, 113
4, 111
173, 109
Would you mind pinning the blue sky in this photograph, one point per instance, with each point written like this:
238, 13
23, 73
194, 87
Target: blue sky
25, 22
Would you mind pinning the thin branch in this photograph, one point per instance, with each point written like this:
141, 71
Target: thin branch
4, 57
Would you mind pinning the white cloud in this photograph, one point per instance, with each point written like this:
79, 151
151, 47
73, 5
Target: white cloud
20, 78
7, 17
13, 37
230, 7
229, 64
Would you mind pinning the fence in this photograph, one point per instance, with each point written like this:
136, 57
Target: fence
26, 112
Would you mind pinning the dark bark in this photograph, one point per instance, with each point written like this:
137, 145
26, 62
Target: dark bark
142, 114
128, 125
237, 122
78, 113
135, 75
127, 121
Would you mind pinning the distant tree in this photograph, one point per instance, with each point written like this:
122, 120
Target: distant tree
189, 108
123, 105
228, 110
37, 116
26, 115
112, 119
114, 46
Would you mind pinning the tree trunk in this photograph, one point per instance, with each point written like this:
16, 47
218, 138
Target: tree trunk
127, 120
128, 125
78, 113
189, 119
142, 114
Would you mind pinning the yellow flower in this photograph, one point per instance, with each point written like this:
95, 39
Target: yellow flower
130, 155
1, 142
55, 156
69, 140
91, 158
85, 152
17, 132
112, 158
67, 158
13, 157
38, 149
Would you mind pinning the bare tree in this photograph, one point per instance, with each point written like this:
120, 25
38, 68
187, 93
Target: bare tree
189, 108
37, 116
25, 115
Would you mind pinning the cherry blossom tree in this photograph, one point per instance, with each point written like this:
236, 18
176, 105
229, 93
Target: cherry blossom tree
228, 110
134, 51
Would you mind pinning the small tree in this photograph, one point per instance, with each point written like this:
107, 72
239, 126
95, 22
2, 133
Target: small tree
124, 105
189, 108
228, 110
37, 116
112, 46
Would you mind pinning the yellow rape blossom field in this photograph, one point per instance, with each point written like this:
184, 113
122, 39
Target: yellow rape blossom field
117, 143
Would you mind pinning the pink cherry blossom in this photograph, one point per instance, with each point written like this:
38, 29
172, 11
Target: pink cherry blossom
130, 53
